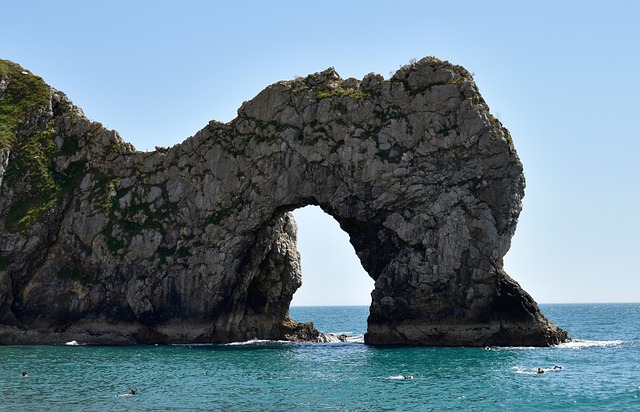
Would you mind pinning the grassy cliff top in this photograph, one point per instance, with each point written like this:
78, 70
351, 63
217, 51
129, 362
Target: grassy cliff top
21, 93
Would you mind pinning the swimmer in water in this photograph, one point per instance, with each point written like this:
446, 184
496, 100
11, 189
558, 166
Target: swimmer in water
540, 370
408, 377
557, 367
132, 392
24, 374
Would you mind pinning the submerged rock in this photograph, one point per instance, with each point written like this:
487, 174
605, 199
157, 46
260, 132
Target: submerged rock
103, 244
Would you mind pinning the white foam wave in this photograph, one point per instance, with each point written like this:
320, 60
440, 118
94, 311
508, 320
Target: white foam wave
584, 343
73, 343
189, 345
355, 339
332, 337
341, 337
256, 341
515, 348
573, 344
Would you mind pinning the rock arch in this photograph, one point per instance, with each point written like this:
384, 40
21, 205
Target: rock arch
195, 243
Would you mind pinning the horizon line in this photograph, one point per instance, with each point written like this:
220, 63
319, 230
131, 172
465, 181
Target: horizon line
539, 303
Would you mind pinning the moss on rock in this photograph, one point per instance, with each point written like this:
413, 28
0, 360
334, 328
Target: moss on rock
23, 94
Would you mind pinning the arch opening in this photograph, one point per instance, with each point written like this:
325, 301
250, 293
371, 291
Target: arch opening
332, 274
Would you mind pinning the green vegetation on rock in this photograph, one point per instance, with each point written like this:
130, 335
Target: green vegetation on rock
24, 94
32, 172
341, 92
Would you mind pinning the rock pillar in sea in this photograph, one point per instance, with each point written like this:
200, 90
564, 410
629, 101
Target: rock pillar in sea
195, 243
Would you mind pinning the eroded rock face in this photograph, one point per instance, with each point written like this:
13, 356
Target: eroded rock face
195, 243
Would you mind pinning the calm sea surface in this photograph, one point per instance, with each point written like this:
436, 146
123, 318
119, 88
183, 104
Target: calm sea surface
600, 372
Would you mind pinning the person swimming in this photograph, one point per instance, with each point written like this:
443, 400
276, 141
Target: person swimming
408, 377
132, 392
540, 370
24, 374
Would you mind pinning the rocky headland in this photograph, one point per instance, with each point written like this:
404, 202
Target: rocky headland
103, 244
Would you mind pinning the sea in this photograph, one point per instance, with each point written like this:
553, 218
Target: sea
599, 370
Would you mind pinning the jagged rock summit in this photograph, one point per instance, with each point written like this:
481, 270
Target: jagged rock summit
195, 243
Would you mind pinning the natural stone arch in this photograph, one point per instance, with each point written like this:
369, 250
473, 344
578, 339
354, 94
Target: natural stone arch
195, 243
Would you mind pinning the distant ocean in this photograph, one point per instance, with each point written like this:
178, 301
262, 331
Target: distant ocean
600, 372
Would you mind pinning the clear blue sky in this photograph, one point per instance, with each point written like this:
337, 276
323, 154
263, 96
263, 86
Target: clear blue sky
563, 76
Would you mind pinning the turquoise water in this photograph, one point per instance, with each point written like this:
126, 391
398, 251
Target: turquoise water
601, 371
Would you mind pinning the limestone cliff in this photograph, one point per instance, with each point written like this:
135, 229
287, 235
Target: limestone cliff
195, 243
